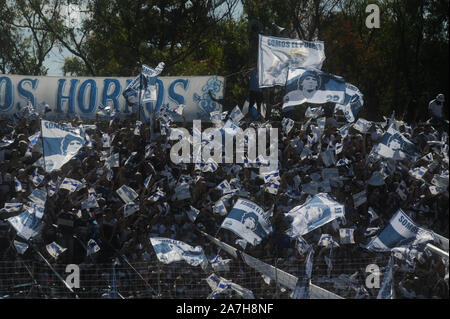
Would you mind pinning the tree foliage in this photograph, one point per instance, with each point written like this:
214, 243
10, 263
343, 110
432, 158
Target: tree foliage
400, 66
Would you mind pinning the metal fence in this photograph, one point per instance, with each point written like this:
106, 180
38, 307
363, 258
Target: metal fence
152, 279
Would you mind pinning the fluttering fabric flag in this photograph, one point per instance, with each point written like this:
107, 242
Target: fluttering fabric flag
219, 264
70, 184
347, 235
130, 208
192, 213
248, 221
92, 247
313, 112
276, 55
168, 251
60, 144
27, 224
362, 125
301, 290
318, 211
38, 196
236, 114
55, 250
90, 202
353, 103
401, 230
219, 208
20, 247
36, 178
13, 207
157, 196
126, 193
387, 286
221, 285
396, 146
145, 84
312, 86
287, 124
18, 185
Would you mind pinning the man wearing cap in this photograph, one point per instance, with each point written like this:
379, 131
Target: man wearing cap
435, 109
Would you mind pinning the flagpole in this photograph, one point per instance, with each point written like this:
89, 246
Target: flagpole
43, 156
140, 93
56, 273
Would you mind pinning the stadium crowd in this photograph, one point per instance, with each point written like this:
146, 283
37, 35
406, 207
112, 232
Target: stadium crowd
71, 225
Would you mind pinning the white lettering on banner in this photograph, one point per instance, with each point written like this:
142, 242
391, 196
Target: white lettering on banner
84, 95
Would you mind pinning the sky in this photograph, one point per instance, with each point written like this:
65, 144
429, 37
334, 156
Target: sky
55, 59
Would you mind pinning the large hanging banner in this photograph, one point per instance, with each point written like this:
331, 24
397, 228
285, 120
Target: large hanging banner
83, 96
276, 55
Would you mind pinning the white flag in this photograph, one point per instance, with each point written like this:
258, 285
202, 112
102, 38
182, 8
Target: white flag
276, 55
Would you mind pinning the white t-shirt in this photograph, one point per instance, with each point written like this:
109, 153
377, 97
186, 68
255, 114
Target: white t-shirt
435, 108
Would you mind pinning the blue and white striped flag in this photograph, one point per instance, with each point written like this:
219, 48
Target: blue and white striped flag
418, 172
113, 161
338, 148
147, 180
157, 196
38, 196
287, 124
70, 184
126, 193
130, 208
428, 157
20, 247
55, 250
225, 187
13, 207
90, 202
327, 241
236, 114
18, 185
219, 208
313, 112
219, 264
347, 235
221, 285
343, 162
272, 186
353, 102
209, 166
362, 125
400, 231
27, 224
92, 247
192, 213
36, 178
